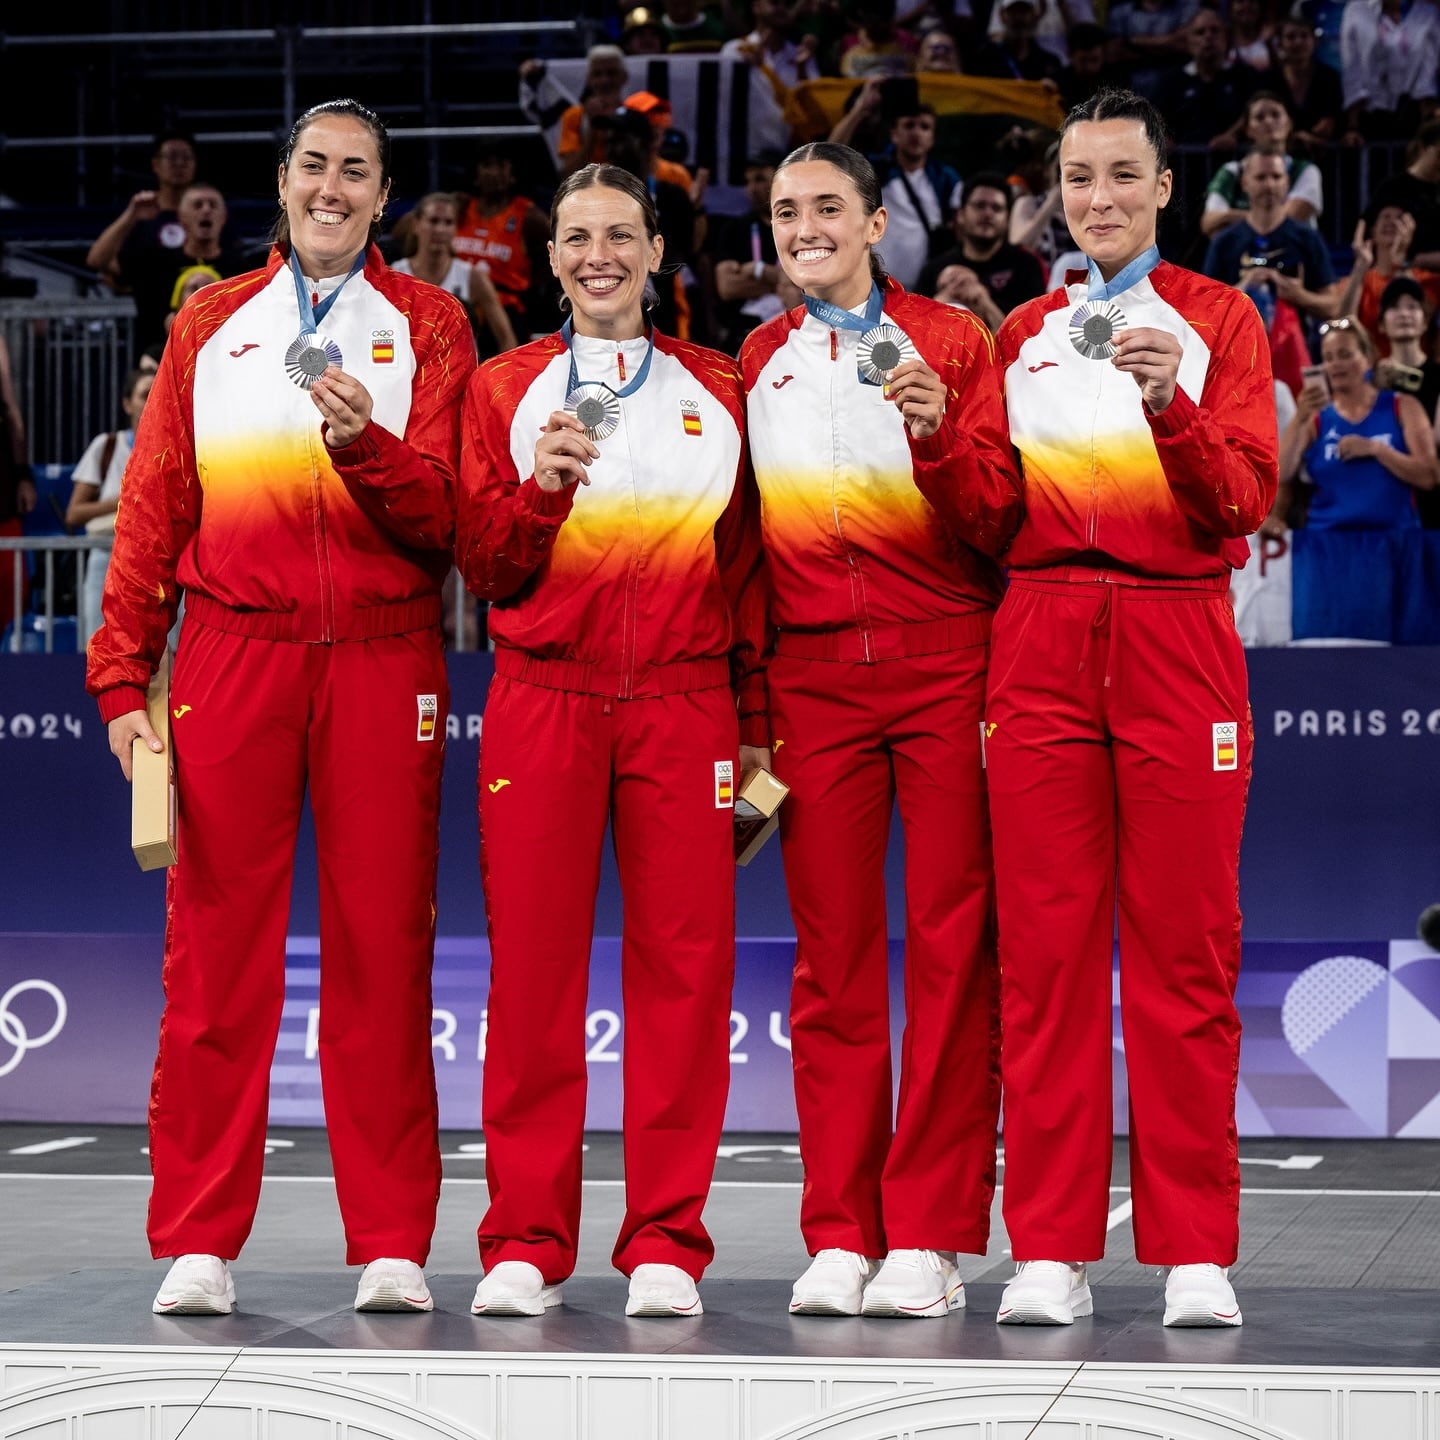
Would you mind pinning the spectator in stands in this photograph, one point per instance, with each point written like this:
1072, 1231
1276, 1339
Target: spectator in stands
919, 195
642, 33
1251, 33
1054, 19
301, 497
1389, 52
151, 273
876, 47
1310, 89
151, 219
1037, 217
1268, 128
1405, 319
656, 109
1416, 190
1007, 275
188, 282
507, 233
1016, 53
865, 125
939, 54
96, 494
1270, 251
1205, 98
581, 142
434, 261
1366, 452
1149, 36
747, 270
1381, 253
691, 28
774, 44
1089, 69
17, 487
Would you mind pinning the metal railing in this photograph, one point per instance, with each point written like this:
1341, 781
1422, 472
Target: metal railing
68, 358
81, 546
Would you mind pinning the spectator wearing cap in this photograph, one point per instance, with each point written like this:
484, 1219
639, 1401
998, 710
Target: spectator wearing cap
642, 33
657, 111
1268, 128
984, 272
1382, 250
1266, 251
919, 194
1310, 90
1206, 97
774, 45
1416, 190
1015, 53
1053, 21
1389, 53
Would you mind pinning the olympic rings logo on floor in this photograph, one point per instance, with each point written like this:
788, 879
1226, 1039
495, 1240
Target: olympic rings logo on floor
12, 1027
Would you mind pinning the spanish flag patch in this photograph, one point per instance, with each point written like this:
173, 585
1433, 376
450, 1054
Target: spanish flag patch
1224, 739
382, 347
690, 416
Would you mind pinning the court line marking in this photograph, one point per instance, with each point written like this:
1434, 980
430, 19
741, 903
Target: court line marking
1119, 1215
46, 1147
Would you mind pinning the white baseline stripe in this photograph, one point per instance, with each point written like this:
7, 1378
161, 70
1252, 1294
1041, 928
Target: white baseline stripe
46, 1147
1119, 1215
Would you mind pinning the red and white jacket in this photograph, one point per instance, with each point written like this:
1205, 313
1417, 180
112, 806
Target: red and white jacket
866, 528
1108, 484
646, 581
232, 495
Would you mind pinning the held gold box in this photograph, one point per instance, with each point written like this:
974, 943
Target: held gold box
152, 787
757, 812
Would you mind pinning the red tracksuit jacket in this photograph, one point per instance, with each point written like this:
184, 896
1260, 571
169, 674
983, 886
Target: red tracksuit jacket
658, 557
232, 494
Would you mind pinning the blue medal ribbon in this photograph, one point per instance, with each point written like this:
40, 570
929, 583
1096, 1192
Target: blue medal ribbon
1098, 288
312, 315
567, 334
839, 319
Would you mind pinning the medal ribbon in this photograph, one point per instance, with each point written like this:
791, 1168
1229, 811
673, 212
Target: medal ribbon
1098, 288
567, 331
312, 315
838, 319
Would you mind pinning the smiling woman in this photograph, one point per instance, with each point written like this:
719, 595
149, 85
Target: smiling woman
296, 483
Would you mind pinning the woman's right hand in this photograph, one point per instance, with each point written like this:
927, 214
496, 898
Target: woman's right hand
1311, 400
562, 453
126, 728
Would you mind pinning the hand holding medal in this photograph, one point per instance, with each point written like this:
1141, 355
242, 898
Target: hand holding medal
345, 404
563, 452
1152, 357
919, 395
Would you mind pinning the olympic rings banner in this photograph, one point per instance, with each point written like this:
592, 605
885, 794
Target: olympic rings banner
1342, 1034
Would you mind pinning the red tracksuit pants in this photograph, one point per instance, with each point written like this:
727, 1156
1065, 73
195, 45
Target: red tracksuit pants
1107, 759
849, 738
554, 766
255, 721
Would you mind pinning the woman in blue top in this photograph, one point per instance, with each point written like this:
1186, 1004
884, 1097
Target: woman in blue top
1365, 450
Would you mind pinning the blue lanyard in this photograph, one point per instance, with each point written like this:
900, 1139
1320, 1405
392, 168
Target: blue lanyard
1098, 288
838, 319
567, 333
312, 315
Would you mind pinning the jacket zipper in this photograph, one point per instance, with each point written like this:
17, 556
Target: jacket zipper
850, 560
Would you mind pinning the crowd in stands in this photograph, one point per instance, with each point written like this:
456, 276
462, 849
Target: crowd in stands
1268, 95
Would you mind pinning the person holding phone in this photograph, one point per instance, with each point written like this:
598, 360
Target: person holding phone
1405, 322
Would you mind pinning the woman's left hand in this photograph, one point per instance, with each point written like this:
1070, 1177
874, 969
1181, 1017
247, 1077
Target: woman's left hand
345, 403
753, 757
919, 394
1356, 447
1152, 357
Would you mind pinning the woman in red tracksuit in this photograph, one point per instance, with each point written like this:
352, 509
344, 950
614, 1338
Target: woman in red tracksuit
888, 487
1141, 403
620, 554
293, 476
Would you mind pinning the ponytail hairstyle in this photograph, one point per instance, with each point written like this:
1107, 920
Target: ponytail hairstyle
356, 111
612, 177
859, 171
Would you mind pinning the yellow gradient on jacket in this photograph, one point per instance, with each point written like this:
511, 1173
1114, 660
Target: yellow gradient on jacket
279, 472
874, 508
604, 532
1124, 476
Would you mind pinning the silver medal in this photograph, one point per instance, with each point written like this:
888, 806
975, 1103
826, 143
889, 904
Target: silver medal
1094, 327
597, 408
881, 350
308, 358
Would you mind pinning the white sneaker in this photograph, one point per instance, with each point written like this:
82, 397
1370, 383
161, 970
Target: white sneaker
1045, 1292
514, 1287
916, 1284
662, 1290
391, 1284
1200, 1295
833, 1285
196, 1285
